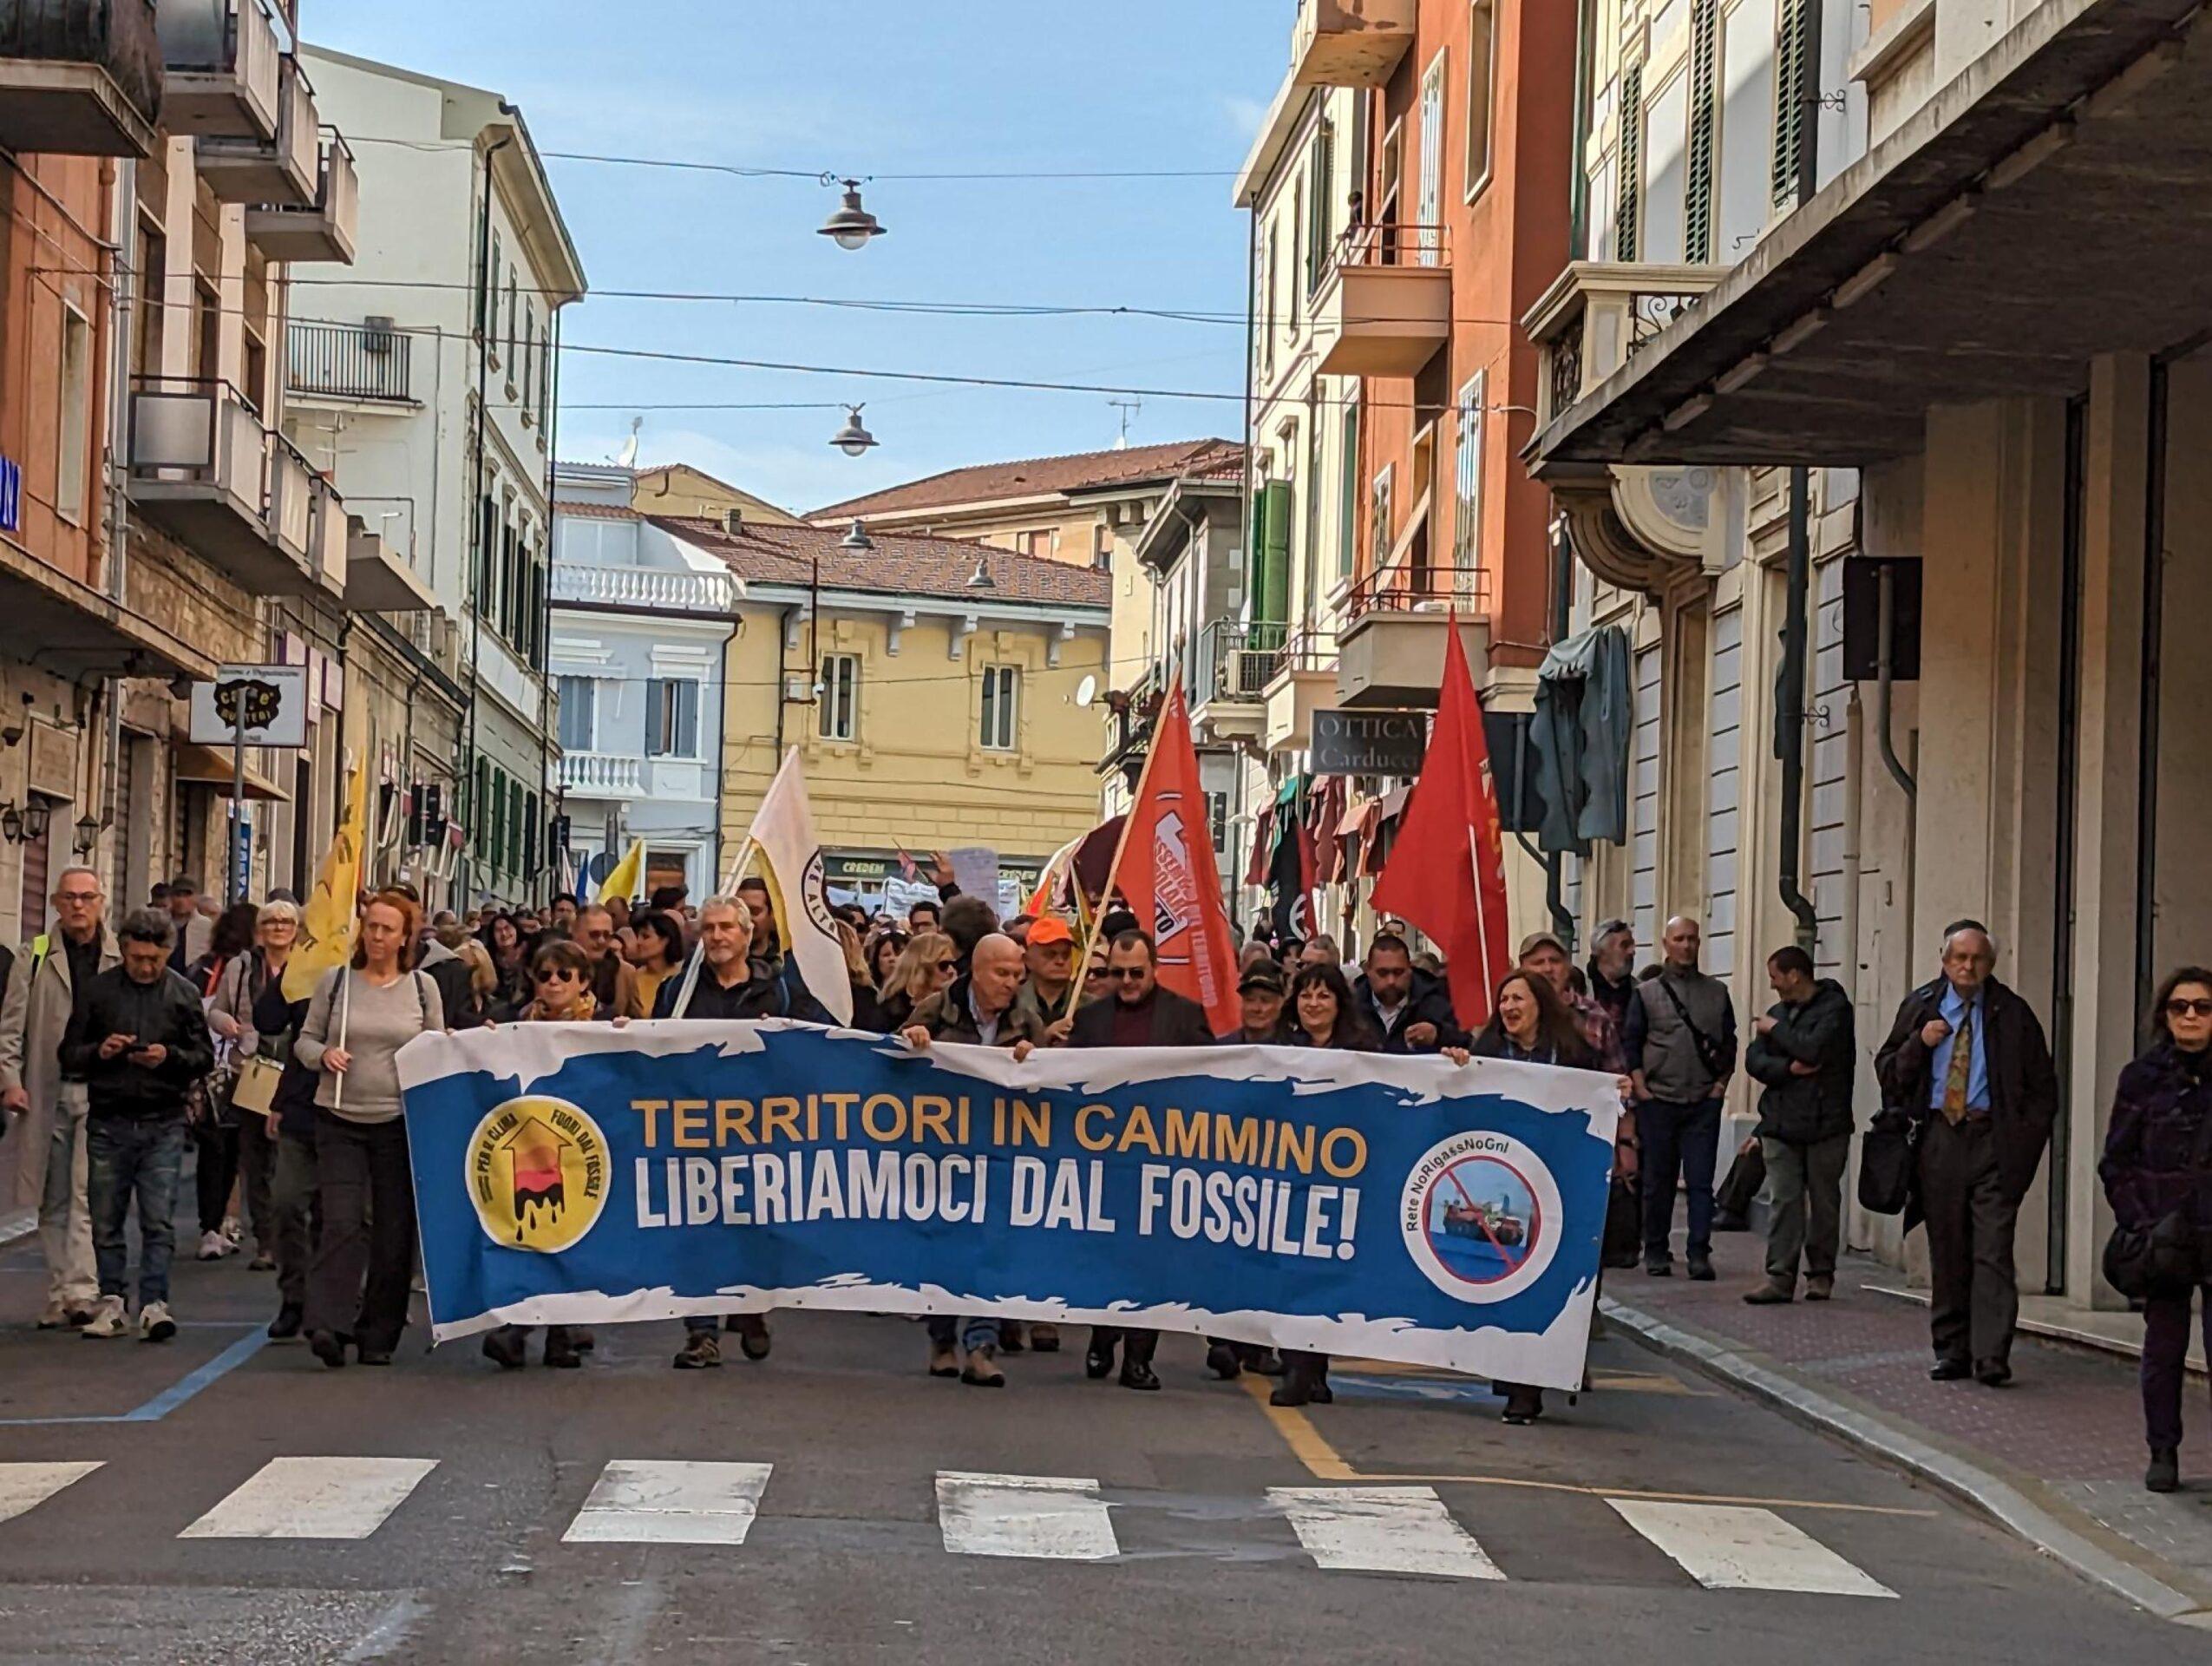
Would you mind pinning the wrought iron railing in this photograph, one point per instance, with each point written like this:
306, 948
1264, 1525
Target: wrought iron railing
1237, 662
1390, 243
1422, 589
350, 361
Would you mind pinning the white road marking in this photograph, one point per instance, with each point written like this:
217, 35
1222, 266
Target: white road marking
654, 1502
1733, 1547
25, 1487
1023, 1515
314, 1498
1383, 1530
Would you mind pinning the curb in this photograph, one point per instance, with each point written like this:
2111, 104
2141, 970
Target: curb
1995, 1497
17, 1223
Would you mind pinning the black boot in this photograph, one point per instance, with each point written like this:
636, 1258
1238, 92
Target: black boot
285, 1325
2165, 1474
504, 1347
1296, 1386
1221, 1360
1098, 1358
561, 1351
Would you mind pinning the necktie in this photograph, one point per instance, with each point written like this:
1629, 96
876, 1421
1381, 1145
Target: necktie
1954, 1078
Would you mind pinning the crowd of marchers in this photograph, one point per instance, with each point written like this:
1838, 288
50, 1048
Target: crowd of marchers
126, 1045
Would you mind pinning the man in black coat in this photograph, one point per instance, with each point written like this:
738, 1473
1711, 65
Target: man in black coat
1967, 1059
1409, 1010
1805, 1052
1137, 1013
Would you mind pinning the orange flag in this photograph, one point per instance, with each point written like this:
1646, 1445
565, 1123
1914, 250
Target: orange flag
1166, 870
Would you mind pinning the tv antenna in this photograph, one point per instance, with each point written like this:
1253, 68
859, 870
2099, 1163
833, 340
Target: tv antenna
1130, 409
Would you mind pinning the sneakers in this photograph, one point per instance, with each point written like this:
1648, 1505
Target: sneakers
1222, 1361
1701, 1269
2165, 1474
58, 1315
233, 1230
1771, 1294
213, 1246
983, 1370
753, 1340
1821, 1287
1524, 1406
701, 1351
108, 1320
154, 1324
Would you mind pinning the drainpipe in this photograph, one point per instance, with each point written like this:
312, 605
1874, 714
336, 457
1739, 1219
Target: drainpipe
552, 431
1885, 630
123, 286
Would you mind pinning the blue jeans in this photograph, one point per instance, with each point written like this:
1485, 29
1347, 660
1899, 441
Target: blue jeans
126, 1158
1676, 1143
971, 1332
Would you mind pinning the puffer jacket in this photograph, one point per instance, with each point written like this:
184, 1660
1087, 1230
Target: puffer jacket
1805, 1110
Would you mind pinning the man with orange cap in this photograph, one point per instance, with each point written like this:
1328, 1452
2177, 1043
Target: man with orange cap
1048, 952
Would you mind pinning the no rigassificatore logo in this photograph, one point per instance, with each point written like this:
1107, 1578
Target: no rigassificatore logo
1481, 1215
537, 1174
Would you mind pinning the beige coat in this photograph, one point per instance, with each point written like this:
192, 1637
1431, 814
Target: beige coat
33, 1016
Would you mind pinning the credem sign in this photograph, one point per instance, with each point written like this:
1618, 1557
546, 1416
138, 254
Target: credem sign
1369, 743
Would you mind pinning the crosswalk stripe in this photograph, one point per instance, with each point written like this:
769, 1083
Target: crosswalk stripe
25, 1487
1734, 1547
1382, 1530
1023, 1515
314, 1498
655, 1502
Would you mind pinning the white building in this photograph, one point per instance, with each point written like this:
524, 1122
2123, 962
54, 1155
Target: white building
424, 385
641, 626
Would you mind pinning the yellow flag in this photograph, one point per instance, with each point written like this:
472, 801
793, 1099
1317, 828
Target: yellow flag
326, 920
626, 878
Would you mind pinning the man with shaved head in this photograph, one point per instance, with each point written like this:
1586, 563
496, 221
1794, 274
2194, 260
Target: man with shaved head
977, 1009
1968, 1060
1681, 1073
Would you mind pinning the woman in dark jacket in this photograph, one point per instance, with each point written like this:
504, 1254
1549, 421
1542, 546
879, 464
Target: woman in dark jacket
1325, 1015
2157, 1163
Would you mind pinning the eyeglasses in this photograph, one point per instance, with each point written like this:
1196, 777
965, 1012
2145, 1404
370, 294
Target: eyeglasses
559, 975
77, 896
1127, 974
945, 965
2185, 1008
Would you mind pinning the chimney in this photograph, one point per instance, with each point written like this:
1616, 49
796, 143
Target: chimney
733, 520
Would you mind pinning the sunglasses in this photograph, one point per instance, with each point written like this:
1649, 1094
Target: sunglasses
2184, 1008
1127, 974
945, 965
559, 975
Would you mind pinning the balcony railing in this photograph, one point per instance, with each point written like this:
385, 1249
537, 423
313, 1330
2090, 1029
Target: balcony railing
322, 229
281, 170
601, 774
350, 360
1385, 309
1423, 589
1237, 662
79, 77
224, 69
1598, 314
665, 590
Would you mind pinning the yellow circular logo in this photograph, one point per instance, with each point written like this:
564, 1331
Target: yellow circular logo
537, 1174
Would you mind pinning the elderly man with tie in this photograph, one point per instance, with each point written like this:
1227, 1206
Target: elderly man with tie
1967, 1059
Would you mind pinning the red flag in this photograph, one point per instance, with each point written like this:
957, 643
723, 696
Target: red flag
1167, 871
1263, 843
1447, 868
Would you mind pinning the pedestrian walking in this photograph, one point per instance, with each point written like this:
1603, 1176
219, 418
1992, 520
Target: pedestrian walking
1048, 953
658, 954
928, 963
1263, 999
1613, 970
510, 950
361, 1015
1411, 1011
139, 1042
613, 981
230, 1009
1967, 1059
2158, 1167
1139, 1014
46, 1099
214, 1124
193, 931
1681, 1070
978, 1010
1805, 1052
1546, 956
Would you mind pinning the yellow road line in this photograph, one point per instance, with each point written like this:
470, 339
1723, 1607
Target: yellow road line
1325, 1463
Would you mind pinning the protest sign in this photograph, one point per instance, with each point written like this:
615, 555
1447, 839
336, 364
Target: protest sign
1393, 1207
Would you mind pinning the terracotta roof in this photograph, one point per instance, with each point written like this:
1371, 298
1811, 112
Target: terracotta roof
1041, 476
900, 564
596, 511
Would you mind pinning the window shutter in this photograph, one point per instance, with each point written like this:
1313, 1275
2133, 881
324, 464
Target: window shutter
687, 708
1271, 595
1319, 210
1697, 197
1792, 95
655, 692
1628, 216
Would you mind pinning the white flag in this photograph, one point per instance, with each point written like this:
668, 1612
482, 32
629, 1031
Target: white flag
790, 858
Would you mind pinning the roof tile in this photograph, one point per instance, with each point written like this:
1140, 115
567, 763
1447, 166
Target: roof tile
1040, 476
900, 564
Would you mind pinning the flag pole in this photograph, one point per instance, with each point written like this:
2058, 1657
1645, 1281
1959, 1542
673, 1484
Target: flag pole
1114, 867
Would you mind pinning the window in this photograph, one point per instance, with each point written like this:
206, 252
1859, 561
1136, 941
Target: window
207, 321
1627, 237
1793, 97
529, 350
148, 311
1348, 492
75, 441
1467, 500
1378, 530
488, 312
1320, 222
1428, 190
1482, 91
1002, 692
1300, 256
1038, 544
1310, 561
1666, 134
1102, 547
514, 315
1704, 70
672, 717
1268, 304
837, 697
579, 713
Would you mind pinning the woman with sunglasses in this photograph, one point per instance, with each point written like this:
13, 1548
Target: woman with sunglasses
929, 963
2158, 1163
561, 973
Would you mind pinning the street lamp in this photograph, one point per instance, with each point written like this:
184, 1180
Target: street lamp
88, 833
853, 439
852, 225
857, 539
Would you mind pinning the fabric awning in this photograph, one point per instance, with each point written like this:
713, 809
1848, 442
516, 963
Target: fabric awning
210, 766
1357, 817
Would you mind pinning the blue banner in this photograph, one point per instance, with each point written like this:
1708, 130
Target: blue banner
1396, 1208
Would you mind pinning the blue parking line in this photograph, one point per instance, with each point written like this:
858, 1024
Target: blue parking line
1397, 1388
172, 1397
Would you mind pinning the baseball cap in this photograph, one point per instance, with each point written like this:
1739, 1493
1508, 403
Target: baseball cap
1536, 940
1263, 974
1050, 929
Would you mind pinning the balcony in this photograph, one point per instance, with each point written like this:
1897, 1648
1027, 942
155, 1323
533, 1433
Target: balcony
284, 171
1235, 663
1350, 43
79, 77
1595, 317
602, 775
323, 229
1305, 681
225, 74
648, 589
1391, 648
372, 364
380, 576
330, 532
1135, 713
204, 470
1385, 307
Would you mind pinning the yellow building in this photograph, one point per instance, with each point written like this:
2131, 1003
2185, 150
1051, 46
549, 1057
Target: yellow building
935, 706
678, 490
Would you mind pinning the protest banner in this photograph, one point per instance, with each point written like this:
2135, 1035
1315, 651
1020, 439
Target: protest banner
1398, 1208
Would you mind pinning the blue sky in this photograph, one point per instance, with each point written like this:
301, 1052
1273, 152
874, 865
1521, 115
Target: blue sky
879, 87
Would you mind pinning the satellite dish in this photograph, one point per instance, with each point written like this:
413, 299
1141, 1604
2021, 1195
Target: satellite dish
1086, 691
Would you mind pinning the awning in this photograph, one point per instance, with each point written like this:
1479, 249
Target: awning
2053, 202
210, 766
1357, 817
51, 619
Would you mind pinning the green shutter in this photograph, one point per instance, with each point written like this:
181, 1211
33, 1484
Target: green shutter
1348, 493
1698, 196
1628, 216
1271, 593
1793, 100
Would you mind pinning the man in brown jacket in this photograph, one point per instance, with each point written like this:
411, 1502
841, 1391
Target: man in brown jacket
614, 980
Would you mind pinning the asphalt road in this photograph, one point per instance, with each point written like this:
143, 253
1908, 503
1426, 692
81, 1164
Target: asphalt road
834, 1504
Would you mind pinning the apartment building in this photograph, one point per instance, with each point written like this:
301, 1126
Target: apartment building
422, 381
